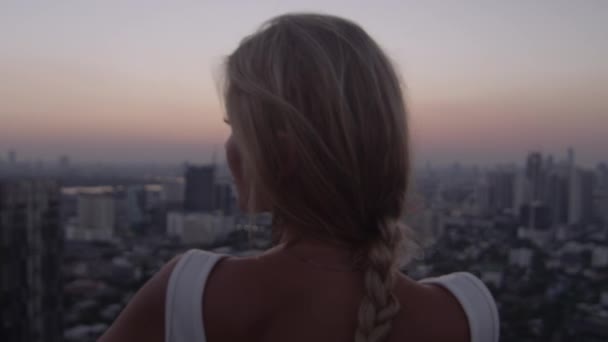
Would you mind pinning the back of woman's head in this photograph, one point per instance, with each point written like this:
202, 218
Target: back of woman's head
318, 114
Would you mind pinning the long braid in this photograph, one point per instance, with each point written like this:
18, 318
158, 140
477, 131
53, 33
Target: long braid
379, 305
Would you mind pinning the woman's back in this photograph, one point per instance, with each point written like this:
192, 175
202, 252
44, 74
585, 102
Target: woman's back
308, 304
277, 297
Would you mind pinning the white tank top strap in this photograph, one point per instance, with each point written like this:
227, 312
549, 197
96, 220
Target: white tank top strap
183, 302
476, 301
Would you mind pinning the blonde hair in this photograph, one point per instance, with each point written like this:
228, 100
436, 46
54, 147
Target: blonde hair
315, 98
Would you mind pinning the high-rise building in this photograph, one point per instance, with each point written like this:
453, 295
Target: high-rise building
96, 211
199, 228
480, 204
549, 163
534, 175
571, 158
557, 197
31, 247
134, 203
600, 196
96, 217
501, 190
224, 200
173, 192
580, 205
199, 189
535, 216
522, 191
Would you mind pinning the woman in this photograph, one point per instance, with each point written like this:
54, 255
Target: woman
319, 138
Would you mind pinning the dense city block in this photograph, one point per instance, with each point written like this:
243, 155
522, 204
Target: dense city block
79, 240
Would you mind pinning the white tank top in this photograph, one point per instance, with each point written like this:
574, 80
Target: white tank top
184, 314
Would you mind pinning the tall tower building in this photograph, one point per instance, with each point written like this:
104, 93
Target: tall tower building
199, 190
522, 194
481, 197
580, 203
502, 190
97, 215
224, 200
557, 197
549, 163
135, 203
571, 158
535, 216
31, 248
534, 175
600, 205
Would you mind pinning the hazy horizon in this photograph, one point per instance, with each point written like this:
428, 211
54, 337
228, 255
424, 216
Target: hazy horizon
487, 81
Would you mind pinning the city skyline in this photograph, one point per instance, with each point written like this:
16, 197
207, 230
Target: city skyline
486, 81
14, 158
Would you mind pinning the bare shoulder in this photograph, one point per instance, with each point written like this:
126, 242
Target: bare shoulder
236, 299
433, 310
144, 317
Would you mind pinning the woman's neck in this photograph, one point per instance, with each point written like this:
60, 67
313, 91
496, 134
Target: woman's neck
325, 253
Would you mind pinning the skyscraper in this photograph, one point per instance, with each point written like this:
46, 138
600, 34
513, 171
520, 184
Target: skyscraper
30, 267
502, 190
571, 158
535, 216
481, 198
224, 200
199, 195
534, 175
522, 191
580, 203
557, 197
96, 216
600, 205
549, 163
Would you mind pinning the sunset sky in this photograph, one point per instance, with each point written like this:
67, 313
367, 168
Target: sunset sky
487, 81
